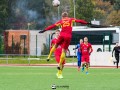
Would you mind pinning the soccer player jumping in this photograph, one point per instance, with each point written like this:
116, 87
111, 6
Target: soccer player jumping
65, 36
86, 50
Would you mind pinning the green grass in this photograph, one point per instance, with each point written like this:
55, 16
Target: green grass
42, 78
22, 60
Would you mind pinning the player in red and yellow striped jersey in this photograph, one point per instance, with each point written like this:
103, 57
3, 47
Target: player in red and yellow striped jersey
66, 24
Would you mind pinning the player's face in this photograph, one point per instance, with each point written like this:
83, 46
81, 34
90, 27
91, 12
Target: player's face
85, 39
57, 34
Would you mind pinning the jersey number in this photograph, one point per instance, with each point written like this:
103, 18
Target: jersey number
66, 23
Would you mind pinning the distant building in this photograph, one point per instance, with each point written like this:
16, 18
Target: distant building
25, 41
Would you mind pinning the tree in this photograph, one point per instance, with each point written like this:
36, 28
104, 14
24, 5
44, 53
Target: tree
111, 1
102, 10
37, 14
4, 13
27, 13
117, 5
84, 9
113, 18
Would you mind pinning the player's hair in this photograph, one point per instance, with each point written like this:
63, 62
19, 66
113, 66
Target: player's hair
81, 39
86, 37
64, 14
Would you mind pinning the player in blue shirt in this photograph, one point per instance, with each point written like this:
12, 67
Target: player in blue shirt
78, 54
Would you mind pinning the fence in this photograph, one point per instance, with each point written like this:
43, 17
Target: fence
20, 59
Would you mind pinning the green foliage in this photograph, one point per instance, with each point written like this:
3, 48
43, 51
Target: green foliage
117, 5
102, 10
113, 18
1, 45
111, 1
12, 59
4, 13
16, 14
84, 9
38, 14
28, 11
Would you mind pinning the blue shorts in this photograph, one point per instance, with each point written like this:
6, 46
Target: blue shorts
79, 56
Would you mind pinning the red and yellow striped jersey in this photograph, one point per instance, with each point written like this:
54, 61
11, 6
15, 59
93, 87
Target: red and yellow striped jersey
66, 25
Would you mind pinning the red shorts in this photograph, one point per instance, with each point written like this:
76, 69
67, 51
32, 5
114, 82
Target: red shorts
57, 58
64, 41
85, 58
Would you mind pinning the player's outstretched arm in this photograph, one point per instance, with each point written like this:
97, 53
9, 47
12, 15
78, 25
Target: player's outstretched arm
90, 24
42, 31
81, 21
48, 28
96, 26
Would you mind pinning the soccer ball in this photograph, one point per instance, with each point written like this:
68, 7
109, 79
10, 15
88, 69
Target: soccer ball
56, 3
53, 86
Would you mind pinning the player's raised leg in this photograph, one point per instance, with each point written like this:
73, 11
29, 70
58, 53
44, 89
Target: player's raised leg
62, 57
60, 67
59, 73
51, 51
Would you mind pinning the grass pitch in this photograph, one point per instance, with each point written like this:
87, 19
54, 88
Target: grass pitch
42, 78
